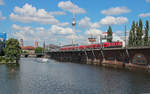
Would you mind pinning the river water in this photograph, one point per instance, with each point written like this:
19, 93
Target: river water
34, 77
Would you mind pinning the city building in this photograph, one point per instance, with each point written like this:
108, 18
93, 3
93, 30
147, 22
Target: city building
36, 44
3, 36
44, 45
28, 49
104, 37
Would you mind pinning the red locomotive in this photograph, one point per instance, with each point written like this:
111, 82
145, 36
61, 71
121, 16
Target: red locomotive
93, 46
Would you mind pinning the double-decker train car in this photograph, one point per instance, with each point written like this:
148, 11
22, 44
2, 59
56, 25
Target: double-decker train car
93, 46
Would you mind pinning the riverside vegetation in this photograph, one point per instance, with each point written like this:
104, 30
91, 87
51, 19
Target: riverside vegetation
139, 34
10, 51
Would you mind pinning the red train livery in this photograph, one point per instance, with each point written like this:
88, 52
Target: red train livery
93, 46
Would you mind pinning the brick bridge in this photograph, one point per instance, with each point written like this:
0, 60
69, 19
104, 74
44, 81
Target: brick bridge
118, 57
32, 54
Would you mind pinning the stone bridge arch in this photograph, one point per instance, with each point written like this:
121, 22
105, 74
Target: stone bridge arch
139, 58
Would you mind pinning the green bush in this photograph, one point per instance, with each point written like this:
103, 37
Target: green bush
38, 50
7, 60
1, 58
25, 52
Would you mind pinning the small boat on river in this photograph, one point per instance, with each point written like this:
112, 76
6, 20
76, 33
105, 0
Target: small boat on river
44, 60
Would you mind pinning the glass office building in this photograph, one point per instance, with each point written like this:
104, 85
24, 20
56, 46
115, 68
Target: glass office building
3, 36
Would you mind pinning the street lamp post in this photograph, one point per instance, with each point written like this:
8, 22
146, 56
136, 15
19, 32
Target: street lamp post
125, 37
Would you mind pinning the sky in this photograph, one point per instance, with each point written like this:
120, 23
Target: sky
51, 20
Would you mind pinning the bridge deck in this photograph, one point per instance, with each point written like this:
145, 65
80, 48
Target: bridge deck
129, 48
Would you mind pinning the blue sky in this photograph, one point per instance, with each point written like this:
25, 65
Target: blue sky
50, 20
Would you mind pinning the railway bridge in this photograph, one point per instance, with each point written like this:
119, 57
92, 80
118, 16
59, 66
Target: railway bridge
133, 57
32, 54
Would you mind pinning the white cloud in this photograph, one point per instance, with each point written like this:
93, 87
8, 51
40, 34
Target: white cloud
63, 24
69, 6
110, 20
30, 36
144, 15
119, 33
51, 35
40, 29
1, 16
93, 32
60, 30
1, 2
28, 33
87, 24
95, 25
26, 28
55, 29
57, 13
116, 11
148, 1
118, 38
28, 14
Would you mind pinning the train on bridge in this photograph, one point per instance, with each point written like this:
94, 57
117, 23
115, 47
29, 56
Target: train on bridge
93, 46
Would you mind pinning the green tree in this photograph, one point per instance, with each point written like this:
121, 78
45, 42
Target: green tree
130, 43
132, 35
25, 52
1, 48
140, 29
146, 33
109, 34
38, 50
12, 49
140, 33
137, 34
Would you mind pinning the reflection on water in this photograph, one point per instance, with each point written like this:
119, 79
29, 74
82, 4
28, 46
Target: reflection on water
35, 77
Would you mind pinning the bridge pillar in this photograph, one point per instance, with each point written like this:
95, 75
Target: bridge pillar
96, 61
89, 61
148, 68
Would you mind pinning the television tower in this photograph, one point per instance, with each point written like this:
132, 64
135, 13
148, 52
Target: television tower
73, 25
21, 42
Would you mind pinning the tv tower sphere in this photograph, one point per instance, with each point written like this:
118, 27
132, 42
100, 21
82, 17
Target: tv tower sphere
73, 22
